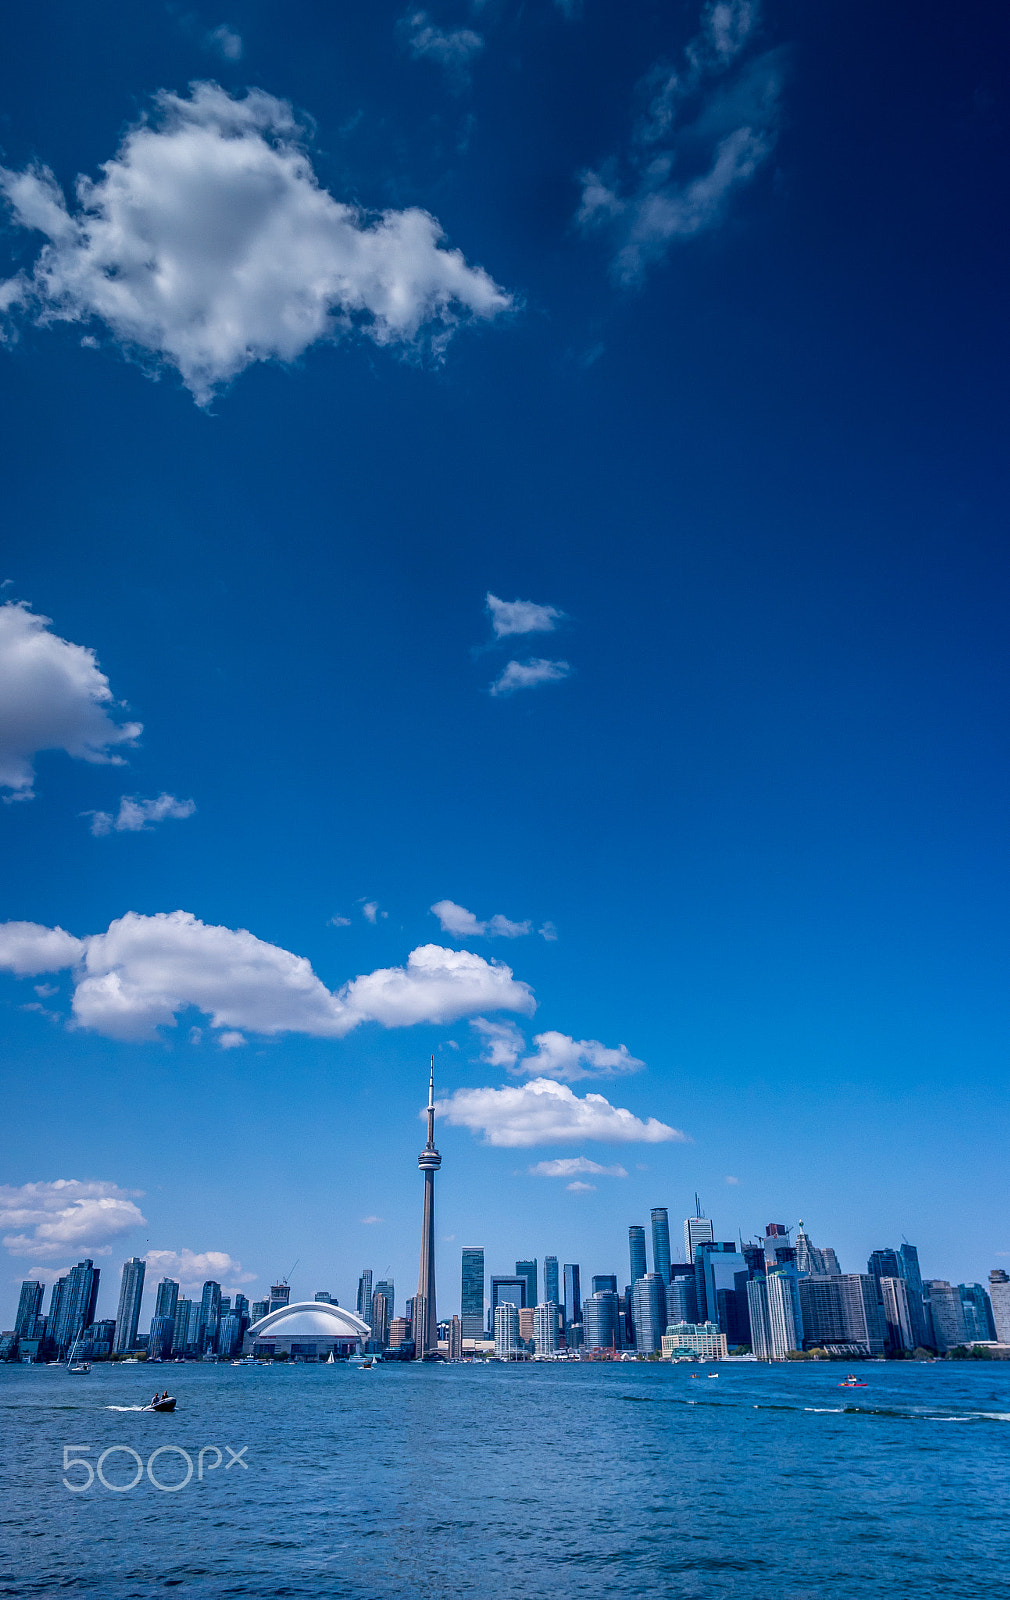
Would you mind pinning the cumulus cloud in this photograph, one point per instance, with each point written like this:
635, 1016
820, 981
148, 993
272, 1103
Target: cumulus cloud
453, 49
709, 124
231, 1040
575, 1166
503, 1042
192, 1268
337, 921
521, 616
370, 911
53, 696
208, 243
548, 932
557, 1055
528, 674
138, 816
144, 970
66, 1216
581, 1188
464, 924
544, 1112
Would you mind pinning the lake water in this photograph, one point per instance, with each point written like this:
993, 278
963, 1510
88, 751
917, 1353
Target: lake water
565, 1480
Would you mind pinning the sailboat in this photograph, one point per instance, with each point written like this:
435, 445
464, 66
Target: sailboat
77, 1367
329, 1362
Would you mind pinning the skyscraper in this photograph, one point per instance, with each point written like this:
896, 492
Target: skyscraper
507, 1291
599, 1321
30, 1307
280, 1295
506, 1331
648, 1310
605, 1283
661, 1242
682, 1300
471, 1297
573, 1295
894, 1300
999, 1294
785, 1320
167, 1298
387, 1289
159, 1344
947, 1313
76, 1307
760, 1327
883, 1264
908, 1268
364, 1305
425, 1322
552, 1292
636, 1249
977, 1311
131, 1292
545, 1328
380, 1318
209, 1317
181, 1335
528, 1270
697, 1230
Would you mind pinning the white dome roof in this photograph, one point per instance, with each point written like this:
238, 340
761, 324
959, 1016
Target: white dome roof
310, 1319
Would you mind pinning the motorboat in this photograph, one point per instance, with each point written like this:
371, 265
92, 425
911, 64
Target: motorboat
165, 1404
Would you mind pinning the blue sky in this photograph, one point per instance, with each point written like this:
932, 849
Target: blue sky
705, 354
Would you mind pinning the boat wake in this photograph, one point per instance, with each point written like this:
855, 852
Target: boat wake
127, 1408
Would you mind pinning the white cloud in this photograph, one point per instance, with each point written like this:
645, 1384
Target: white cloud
337, 921
453, 48
573, 1166
208, 243
66, 1216
733, 1181
528, 674
143, 970
581, 1188
226, 41
708, 127
521, 616
544, 1112
193, 1268
463, 924
370, 911
370, 1221
53, 696
503, 1042
231, 1040
137, 816
548, 932
559, 1056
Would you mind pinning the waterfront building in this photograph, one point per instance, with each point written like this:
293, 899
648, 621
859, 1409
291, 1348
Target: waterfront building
506, 1331
455, 1340
821, 1309
573, 1296
648, 1311
605, 1283
208, 1319
682, 1299
471, 1302
380, 1320
702, 1339
897, 1315
527, 1331
599, 1321
75, 1307
308, 1330
697, 1230
259, 1309
636, 1250
757, 1310
363, 1305
661, 1242
425, 1319
183, 1323
908, 1269
999, 1293
399, 1332
862, 1312
98, 1340
545, 1328
947, 1314
721, 1298
29, 1309
230, 1331
528, 1270
131, 1292
552, 1293
980, 1315
785, 1319
167, 1298
159, 1341
280, 1295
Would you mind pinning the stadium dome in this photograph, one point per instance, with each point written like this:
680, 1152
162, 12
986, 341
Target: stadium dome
310, 1329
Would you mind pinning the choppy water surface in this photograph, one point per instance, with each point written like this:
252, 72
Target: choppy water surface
627, 1479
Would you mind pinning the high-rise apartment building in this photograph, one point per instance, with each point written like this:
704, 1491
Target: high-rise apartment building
364, 1301
721, 1274
810, 1259
506, 1291
999, 1294
977, 1308
785, 1319
131, 1292
258, 1310
380, 1319
471, 1303
506, 1331
455, 1338
208, 1319
883, 1264
573, 1295
552, 1290
29, 1309
181, 1335
862, 1313
822, 1310
636, 1250
682, 1299
661, 1242
229, 1334
648, 1310
527, 1328
386, 1288
280, 1295
897, 1314
74, 1309
399, 1331
528, 1270
167, 1298
760, 1326
947, 1314
599, 1321
545, 1328
605, 1283
159, 1343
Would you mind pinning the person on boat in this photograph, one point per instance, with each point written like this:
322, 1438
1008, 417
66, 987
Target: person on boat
155, 1398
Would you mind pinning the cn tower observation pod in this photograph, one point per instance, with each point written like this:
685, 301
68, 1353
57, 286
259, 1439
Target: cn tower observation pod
309, 1329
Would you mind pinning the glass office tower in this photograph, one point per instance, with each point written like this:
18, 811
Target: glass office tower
471, 1300
131, 1291
573, 1295
636, 1248
528, 1270
552, 1291
661, 1242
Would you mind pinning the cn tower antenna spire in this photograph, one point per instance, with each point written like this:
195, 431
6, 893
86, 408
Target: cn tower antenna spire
425, 1329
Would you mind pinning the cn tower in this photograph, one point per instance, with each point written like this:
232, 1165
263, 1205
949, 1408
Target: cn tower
425, 1328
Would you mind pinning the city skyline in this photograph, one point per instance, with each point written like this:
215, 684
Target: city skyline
584, 663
